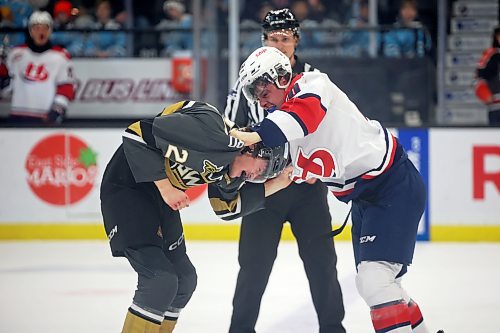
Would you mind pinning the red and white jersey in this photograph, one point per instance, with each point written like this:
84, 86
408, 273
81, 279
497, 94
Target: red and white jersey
329, 137
39, 80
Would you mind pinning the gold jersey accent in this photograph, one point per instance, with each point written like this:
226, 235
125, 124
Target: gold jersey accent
221, 206
172, 108
136, 128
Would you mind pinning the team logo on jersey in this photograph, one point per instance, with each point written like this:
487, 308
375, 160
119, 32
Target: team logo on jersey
36, 72
210, 171
185, 175
189, 179
61, 169
319, 164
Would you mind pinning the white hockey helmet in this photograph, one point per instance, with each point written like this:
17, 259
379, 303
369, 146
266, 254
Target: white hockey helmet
266, 64
40, 17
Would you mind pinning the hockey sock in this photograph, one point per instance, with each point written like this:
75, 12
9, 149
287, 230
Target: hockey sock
170, 319
135, 322
167, 326
416, 318
391, 317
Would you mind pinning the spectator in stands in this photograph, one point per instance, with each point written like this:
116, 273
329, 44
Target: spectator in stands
63, 22
410, 38
250, 35
176, 18
83, 20
317, 10
487, 83
62, 15
309, 34
40, 74
356, 43
14, 14
105, 43
280, 4
19, 12
339, 10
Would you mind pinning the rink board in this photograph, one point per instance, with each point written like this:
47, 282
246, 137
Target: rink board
50, 185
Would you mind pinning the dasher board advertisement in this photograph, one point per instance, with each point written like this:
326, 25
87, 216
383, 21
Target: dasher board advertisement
119, 88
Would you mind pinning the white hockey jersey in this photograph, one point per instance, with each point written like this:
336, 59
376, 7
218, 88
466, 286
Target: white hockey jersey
329, 137
39, 80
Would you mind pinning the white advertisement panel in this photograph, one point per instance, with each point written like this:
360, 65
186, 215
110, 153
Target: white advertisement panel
119, 88
53, 176
465, 176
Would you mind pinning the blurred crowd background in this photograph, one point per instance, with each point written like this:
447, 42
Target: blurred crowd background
76, 23
404, 62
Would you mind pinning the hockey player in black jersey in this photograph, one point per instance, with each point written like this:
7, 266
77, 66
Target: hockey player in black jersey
304, 206
142, 191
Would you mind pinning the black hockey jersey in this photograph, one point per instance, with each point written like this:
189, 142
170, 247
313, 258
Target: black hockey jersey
188, 143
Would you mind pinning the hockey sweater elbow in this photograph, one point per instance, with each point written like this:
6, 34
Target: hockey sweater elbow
64, 94
249, 199
482, 91
147, 164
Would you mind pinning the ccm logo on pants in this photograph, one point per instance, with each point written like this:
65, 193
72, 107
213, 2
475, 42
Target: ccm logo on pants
176, 244
366, 239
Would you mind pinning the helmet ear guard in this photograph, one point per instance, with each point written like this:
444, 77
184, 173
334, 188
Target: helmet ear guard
277, 157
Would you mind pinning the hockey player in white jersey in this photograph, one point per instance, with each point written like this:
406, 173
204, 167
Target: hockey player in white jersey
360, 161
41, 76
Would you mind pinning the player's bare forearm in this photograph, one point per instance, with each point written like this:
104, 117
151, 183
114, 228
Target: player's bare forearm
172, 196
278, 183
249, 138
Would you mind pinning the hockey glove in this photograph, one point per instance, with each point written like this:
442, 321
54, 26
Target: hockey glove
56, 114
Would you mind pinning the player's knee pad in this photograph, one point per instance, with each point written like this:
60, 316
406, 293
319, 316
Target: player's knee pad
157, 291
376, 282
188, 280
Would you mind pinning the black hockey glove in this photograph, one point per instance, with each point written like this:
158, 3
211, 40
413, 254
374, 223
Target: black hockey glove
56, 114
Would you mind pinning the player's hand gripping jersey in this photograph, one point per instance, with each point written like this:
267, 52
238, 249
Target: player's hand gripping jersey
329, 137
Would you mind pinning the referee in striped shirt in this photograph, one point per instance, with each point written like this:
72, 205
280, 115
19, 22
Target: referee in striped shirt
304, 206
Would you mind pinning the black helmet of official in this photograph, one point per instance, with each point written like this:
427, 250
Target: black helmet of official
280, 19
277, 157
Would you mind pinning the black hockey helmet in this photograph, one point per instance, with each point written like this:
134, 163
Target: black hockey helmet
280, 19
277, 157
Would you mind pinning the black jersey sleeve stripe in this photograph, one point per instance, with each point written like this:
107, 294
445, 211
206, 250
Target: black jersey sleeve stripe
310, 95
